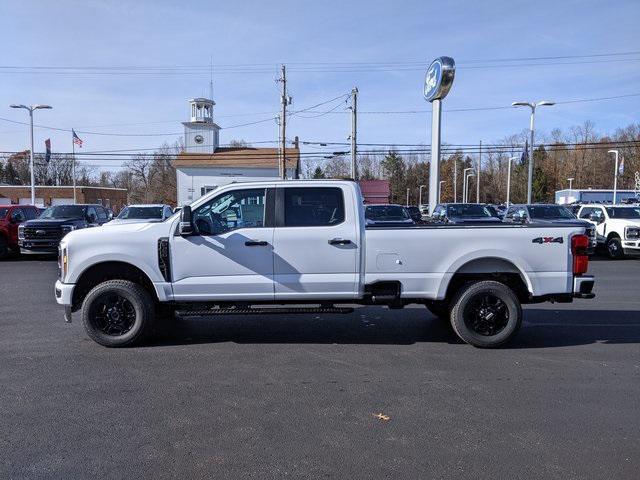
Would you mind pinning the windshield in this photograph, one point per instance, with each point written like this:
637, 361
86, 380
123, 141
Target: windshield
466, 211
64, 211
550, 212
386, 212
624, 212
3, 212
140, 212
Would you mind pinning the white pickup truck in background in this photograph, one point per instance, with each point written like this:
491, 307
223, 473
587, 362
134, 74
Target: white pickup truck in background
617, 227
301, 246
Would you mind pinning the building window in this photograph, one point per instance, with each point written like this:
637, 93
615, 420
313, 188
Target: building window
206, 189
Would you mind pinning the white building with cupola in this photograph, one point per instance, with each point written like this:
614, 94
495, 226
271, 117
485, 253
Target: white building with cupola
204, 165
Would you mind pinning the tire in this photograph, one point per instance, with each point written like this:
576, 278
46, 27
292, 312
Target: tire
614, 248
486, 314
118, 313
440, 310
4, 248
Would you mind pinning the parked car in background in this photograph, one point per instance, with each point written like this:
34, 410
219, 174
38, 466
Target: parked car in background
549, 213
11, 216
617, 227
387, 214
43, 234
143, 213
463, 213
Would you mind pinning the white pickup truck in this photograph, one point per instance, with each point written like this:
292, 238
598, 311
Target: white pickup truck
617, 227
302, 246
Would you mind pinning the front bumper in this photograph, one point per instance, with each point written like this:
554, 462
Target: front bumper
583, 286
64, 293
39, 247
631, 247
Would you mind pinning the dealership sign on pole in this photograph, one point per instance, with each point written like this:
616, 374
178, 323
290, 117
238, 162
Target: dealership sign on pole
437, 83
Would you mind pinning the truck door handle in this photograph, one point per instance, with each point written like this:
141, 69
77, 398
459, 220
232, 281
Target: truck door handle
256, 243
339, 241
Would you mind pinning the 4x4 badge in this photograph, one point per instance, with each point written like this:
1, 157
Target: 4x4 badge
548, 240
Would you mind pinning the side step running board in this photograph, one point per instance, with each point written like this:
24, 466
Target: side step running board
260, 311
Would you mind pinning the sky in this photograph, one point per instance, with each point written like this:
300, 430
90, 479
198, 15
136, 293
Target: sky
165, 48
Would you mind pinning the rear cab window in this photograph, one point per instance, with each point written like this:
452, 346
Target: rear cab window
313, 206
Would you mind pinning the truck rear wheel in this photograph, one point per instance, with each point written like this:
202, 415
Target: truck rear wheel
486, 314
117, 313
614, 248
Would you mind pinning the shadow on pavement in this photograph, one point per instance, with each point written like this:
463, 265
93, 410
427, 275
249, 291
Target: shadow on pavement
542, 328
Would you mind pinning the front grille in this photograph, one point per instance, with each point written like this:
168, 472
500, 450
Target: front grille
42, 233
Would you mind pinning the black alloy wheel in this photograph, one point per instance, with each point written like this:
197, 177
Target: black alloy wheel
486, 314
113, 314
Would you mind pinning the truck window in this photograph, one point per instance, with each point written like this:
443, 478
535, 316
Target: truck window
17, 215
102, 214
313, 207
230, 211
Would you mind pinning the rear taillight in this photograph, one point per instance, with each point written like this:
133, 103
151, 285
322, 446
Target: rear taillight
579, 246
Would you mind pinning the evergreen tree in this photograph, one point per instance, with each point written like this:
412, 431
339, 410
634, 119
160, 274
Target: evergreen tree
395, 170
318, 173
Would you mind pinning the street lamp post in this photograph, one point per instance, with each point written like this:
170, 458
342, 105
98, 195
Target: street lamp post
455, 179
570, 180
420, 195
533, 107
511, 159
615, 177
464, 184
31, 109
440, 189
466, 191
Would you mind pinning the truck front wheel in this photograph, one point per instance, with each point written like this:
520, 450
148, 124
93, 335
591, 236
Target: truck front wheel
614, 248
117, 313
486, 314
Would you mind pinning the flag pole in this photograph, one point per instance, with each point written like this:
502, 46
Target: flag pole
73, 166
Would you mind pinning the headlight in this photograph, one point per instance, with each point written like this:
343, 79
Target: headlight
63, 263
632, 233
67, 228
21, 232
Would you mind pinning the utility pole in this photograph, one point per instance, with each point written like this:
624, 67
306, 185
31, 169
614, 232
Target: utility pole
354, 132
478, 174
407, 197
420, 195
284, 101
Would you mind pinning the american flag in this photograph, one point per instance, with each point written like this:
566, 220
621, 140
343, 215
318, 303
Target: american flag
76, 139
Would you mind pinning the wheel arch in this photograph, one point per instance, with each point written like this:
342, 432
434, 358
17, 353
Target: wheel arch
488, 268
109, 270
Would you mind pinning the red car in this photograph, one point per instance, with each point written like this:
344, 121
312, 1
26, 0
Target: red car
10, 217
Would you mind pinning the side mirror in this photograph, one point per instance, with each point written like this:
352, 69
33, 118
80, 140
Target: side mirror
109, 215
185, 228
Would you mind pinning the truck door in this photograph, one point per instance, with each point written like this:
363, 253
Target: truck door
17, 217
316, 248
230, 256
596, 216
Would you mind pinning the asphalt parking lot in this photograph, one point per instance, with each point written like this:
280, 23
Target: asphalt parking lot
296, 396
